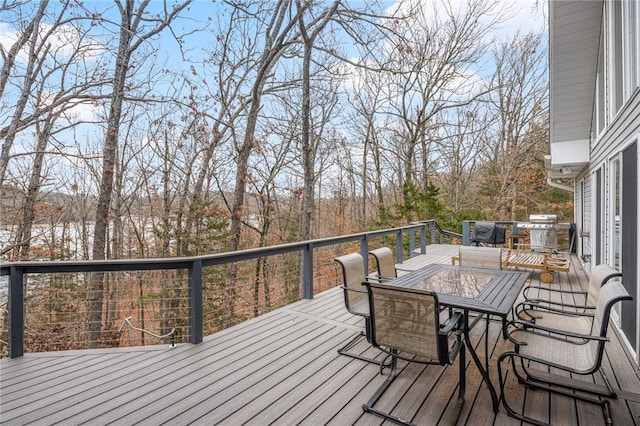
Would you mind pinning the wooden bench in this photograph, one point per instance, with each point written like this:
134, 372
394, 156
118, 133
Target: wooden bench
536, 257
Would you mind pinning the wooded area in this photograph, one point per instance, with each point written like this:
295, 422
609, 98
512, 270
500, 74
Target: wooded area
156, 129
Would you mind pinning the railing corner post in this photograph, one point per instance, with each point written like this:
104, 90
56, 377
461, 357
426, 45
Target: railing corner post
195, 302
466, 233
16, 313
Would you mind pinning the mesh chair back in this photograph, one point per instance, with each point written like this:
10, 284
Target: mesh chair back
607, 297
598, 277
385, 262
480, 257
353, 277
407, 320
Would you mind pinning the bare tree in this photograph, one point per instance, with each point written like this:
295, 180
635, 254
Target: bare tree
58, 55
308, 144
519, 103
365, 126
37, 45
275, 35
462, 149
134, 30
432, 62
29, 33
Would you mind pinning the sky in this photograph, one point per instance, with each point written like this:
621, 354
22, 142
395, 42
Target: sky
527, 16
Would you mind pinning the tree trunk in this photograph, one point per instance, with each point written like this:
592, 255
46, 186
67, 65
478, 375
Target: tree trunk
23, 235
275, 42
96, 289
30, 33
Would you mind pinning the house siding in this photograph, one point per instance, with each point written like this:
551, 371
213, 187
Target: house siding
621, 132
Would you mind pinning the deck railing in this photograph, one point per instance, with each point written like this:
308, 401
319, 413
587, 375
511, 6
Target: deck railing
409, 241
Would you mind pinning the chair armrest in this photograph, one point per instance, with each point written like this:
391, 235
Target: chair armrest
550, 290
553, 333
550, 305
558, 308
356, 290
452, 323
378, 279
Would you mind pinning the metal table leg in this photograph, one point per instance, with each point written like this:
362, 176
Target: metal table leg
483, 371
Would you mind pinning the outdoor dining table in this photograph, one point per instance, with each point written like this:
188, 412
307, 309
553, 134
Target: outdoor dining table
490, 292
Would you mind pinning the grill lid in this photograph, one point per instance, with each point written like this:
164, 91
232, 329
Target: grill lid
543, 218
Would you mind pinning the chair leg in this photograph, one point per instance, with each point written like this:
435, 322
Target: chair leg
368, 407
353, 342
502, 381
382, 362
531, 381
393, 373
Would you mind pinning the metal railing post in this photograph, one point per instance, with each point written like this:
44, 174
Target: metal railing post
307, 272
16, 313
364, 251
514, 228
466, 233
423, 239
195, 302
412, 240
399, 244
432, 225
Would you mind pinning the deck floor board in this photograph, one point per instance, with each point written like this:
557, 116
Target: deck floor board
283, 368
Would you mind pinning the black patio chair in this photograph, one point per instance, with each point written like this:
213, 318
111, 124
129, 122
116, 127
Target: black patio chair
539, 350
550, 313
386, 267
356, 302
405, 323
480, 257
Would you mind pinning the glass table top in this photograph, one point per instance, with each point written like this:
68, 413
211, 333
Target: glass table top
457, 282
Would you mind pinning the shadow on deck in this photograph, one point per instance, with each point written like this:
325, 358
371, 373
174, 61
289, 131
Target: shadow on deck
281, 368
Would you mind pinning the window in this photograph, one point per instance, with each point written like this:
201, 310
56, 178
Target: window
624, 51
617, 61
616, 214
601, 111
632, 67
598, 213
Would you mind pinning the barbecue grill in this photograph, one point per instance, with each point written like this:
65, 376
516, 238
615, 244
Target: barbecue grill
542, 230
487, 232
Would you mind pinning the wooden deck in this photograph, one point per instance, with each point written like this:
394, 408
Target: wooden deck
281, 368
